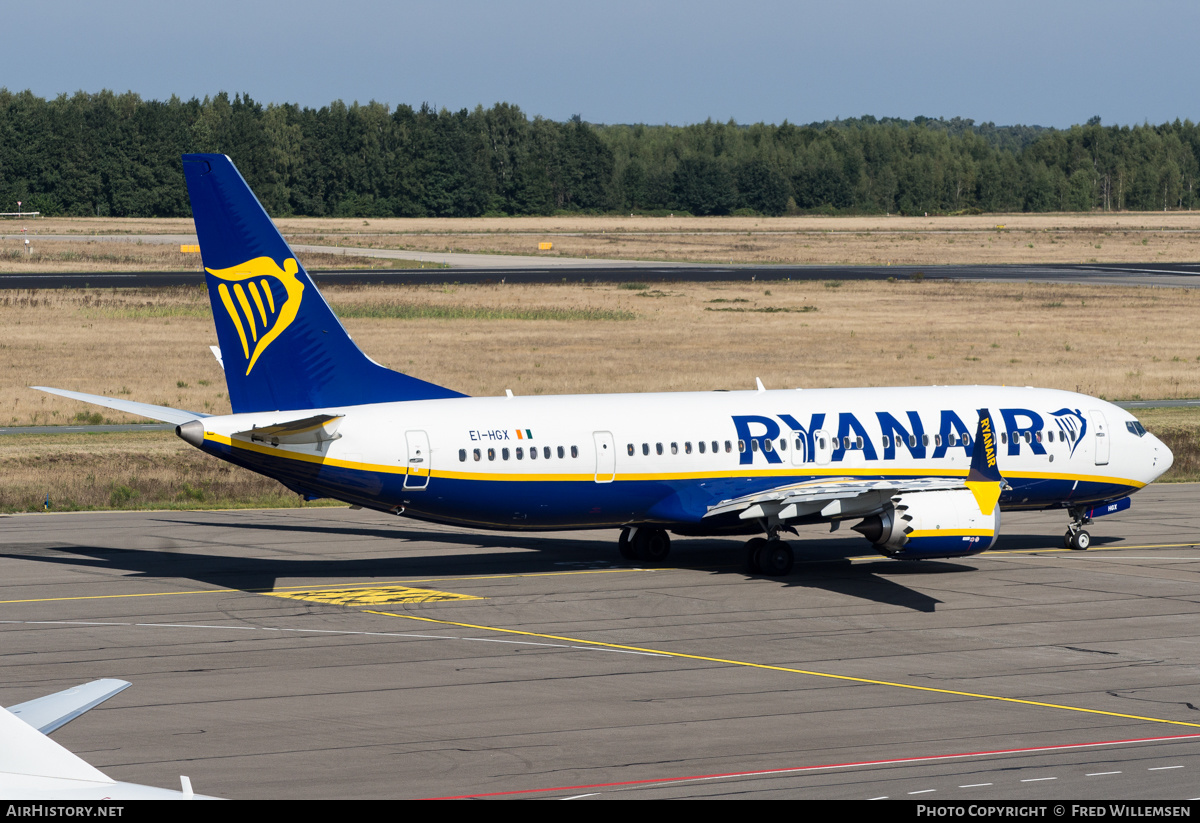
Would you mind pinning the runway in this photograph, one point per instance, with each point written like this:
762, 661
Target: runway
331, 653
529, 270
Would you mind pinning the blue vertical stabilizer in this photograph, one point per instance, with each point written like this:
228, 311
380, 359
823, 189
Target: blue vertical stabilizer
282, 346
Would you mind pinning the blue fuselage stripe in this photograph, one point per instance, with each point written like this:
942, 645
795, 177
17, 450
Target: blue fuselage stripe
564, 504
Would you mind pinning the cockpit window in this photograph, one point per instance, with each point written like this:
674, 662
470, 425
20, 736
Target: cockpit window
1135, 427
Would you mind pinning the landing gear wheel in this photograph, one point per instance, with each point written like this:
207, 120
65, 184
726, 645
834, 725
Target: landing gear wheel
625, 545
652, 545
775, 559
1081, 540
754, 549
1067, 538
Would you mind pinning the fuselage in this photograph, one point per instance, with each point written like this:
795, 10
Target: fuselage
589, 461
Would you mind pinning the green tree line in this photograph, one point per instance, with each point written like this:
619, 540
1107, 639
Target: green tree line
112, 154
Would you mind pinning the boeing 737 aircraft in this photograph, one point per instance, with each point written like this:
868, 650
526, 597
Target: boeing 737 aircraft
923, 472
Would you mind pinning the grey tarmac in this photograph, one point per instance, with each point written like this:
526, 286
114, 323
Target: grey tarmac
330, 653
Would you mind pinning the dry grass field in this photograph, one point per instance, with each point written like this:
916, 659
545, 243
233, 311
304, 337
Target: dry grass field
124, 471
1146, 237
152, 345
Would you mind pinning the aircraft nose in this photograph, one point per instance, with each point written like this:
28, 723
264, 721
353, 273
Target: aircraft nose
1161, 457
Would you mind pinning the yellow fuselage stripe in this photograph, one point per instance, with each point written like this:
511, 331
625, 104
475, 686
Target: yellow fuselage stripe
520, 477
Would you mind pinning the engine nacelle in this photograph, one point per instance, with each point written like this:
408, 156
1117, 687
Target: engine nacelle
932, 524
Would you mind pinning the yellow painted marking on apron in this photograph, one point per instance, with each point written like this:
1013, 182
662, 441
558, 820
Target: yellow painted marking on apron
373, 597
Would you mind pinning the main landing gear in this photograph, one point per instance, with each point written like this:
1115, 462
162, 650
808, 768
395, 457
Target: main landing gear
770, 556
642, 544
1077, 538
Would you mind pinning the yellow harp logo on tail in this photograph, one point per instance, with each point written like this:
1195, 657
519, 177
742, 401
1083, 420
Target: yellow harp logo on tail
253, 302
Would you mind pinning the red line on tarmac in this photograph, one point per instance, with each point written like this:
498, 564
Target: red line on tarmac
796, 769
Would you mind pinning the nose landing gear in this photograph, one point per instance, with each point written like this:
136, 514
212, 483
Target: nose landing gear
1077, 538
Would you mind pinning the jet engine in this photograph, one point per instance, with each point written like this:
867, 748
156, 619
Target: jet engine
931, 524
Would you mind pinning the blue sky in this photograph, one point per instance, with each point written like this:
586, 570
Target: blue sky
1053, 62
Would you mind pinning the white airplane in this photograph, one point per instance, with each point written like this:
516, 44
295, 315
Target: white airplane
314, 412
34, 767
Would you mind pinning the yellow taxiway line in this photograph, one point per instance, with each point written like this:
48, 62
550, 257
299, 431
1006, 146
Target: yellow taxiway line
788, 669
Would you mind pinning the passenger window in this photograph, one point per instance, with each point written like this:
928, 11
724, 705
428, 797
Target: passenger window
887, 442
924, 440
753, 445
937, 440
1038, 437
533, 452
783, 444
645, 448
476, 455
701, 446
561, 453
966, 439
687, 447
799, 444
491, 454
717, 447
858, 443
1028, 437
741, 446
574, 451
520, 453
767, 445
504, 453
462, 455
952, 439
674, 448
630, 450
729, 446
845, 442
912, 441
658, 448
546, 452
1003, 438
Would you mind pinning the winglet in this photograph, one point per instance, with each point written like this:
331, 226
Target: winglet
56, 710
984, 478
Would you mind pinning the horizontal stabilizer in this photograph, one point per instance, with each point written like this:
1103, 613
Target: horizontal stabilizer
164, 413
319, 428
56, 710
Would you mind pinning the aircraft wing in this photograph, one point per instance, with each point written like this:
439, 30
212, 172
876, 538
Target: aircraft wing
833, 497
844, 497
34, 767
56, 710
164, 413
